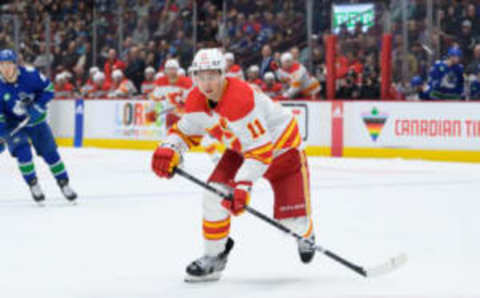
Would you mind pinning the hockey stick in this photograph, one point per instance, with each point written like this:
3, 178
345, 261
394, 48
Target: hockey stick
18, 128
384, 268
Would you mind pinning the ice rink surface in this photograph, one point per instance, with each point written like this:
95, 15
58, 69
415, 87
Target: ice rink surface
132, 234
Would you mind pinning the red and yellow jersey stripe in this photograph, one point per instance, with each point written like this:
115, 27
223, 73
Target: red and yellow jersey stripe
262, 153
191, 141
290, 138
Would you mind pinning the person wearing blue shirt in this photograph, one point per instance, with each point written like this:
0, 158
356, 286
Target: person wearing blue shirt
446, 77
475, 86
24, 94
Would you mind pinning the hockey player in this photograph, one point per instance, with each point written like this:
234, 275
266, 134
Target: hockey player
271, 88
101, 87
233, 70
172, 87
122, 86
253, 74
422, 89
301, 83
89, 85
446, 77
263, 140
63, 88
149, 84
24, 92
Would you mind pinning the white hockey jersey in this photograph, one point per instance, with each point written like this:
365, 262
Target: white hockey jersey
244, 120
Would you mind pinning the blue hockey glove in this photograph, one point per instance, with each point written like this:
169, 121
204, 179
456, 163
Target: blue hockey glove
37, 114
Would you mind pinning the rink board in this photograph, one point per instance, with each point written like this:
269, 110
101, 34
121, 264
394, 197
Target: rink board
448, 131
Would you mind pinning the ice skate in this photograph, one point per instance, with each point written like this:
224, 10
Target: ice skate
306, 250
67, 191
209, 268
37, 193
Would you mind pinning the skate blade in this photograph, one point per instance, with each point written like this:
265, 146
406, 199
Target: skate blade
40, 203
207, 278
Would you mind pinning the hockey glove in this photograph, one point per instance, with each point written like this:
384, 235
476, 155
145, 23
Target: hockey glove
37, 114
164, 161
239, 199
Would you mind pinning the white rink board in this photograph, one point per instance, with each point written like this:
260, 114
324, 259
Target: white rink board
414, 125
127, 119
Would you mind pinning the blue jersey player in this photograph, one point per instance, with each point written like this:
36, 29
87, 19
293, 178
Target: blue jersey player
422, 89
24, 94
446, 77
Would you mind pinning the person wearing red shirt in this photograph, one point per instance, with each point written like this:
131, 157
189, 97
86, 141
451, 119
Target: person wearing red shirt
112, 63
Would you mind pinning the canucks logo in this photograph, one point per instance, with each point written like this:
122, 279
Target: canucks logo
6, 97
374, 121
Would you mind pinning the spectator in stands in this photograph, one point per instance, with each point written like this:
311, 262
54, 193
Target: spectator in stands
267, 59
472, 68
135, 67
70, 56
233, 70
63, 89
466, 40
348, 62
149, 83
301, 83
253, 76
122, 87
271, 87
348, 87
475, 86
473, 17
370, 88
112, 63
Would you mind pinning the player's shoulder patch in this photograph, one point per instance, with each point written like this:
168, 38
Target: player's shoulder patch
195, 101
237, 101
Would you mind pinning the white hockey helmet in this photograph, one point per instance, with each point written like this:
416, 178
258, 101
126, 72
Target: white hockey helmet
209, 59
229, 56
269, 76
98, 76
287, 56
117, 73
93, 70
159, 75
149, 70
172, 63
254, 68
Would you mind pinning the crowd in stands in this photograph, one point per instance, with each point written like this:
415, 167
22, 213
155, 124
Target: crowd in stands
265, 42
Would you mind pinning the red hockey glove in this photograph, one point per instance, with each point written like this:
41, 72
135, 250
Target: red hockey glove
164, 161
239, 199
